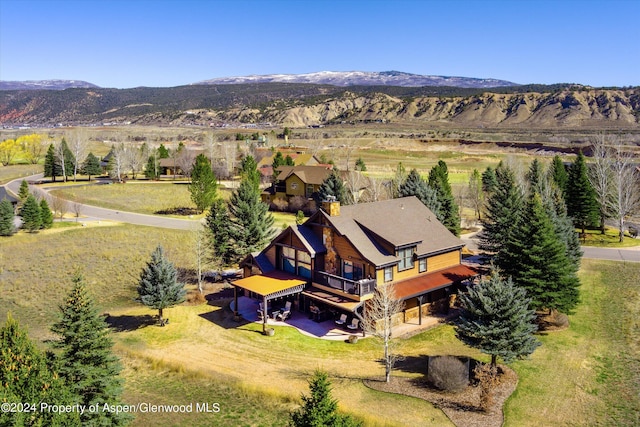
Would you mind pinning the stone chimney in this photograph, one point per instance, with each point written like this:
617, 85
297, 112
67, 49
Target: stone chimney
331, 206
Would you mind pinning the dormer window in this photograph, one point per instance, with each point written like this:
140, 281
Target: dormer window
406, 258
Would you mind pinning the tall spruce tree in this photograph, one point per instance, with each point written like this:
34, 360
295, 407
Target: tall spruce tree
204, 185
51, 167
152, 169
414, 185
503, 208
27, 377
31, 217
46, 216
65, 159
23, 193
86, 360
91, 166
536, 257
158, 287
278, 160
332, 186
320, 409
218, 223
559, 174
439, 180
7, 216
489, 181
249, 171
495, 318
251, 222
582, 204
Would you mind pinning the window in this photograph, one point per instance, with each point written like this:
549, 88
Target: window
422, 265
406, 259
388, 274
351, 271
289, 260
304, 264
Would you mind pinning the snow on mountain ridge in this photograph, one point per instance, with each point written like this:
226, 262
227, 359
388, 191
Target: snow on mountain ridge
365, 78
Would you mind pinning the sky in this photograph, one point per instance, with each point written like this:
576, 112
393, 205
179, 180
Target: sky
163, 43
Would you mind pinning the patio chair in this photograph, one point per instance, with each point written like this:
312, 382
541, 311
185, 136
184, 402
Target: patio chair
354, 324
286, 312
342, 320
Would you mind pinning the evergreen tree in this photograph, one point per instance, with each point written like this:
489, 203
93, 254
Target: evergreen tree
564, 227
91, 166
332, 186
27, 378
535, 256
360, 166
64, 155
439, 180
23, 193
151, 169
503, 208
7, 216
288, 161
536, 178
320, 409
582, 204
159, 287
278, 160
249, 171
31, 217
496, 319
414, 185
163, 153
86, 360
559, 174
51, 167
489, 181
204, 186
251, 222
218, 223
46, 216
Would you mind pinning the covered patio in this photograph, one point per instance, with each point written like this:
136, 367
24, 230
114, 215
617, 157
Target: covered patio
267, 287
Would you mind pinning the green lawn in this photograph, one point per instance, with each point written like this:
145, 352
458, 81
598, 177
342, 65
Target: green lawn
585, 375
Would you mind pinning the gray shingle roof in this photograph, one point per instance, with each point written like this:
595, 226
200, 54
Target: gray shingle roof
400, 222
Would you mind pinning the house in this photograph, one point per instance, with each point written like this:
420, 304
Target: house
332, 264
4, 194
296, 181
265, 164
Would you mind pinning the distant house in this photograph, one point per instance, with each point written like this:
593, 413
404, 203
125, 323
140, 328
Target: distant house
295, 181
331, 265
4, 194
265, 165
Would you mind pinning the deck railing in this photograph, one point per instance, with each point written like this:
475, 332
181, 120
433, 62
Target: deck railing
355, 287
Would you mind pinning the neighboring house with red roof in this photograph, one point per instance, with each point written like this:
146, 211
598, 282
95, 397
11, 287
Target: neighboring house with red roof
334, 261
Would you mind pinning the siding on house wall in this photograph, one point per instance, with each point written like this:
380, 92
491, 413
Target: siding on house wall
438, 262
300, 186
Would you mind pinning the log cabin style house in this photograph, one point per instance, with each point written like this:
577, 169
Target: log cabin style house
331, 264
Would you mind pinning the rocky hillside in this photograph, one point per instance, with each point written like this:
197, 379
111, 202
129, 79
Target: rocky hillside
311, 105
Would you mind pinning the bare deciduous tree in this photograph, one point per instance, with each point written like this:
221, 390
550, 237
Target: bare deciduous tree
135, 159
378, 189
201, 250
118, 162
616, 180
77, 210
378, 321
184, 160
79, 145
59, 206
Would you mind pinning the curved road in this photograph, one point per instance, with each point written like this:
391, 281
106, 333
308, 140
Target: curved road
96, 213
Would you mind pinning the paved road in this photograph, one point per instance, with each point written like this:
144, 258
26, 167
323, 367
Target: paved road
96, 213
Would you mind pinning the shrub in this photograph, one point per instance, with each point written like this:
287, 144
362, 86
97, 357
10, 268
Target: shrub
279, 205
448, 373
298, 203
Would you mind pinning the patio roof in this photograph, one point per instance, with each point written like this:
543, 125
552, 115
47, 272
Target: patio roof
430, 282
342, 303
271, 285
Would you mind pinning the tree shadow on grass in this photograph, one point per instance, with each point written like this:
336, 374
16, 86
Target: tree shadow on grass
130, 323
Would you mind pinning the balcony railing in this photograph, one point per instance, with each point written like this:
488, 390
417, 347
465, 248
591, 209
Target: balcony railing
355, 287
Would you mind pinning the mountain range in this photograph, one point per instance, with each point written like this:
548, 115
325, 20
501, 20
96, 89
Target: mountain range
336, 78
343, 98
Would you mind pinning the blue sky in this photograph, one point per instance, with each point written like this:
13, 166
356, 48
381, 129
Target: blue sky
129, 43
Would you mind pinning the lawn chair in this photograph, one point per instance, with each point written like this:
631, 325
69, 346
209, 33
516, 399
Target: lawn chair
354, 324
286, 312
342, 320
